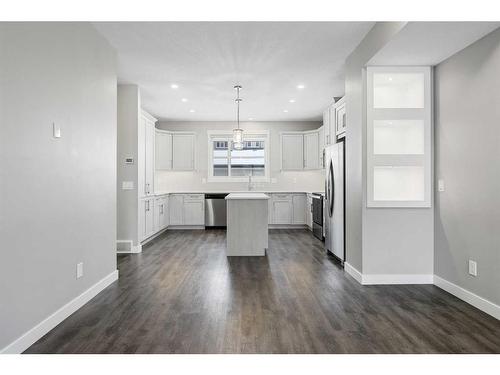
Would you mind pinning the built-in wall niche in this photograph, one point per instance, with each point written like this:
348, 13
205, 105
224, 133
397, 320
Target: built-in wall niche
398, 90
392, 137
399, 136
398, 183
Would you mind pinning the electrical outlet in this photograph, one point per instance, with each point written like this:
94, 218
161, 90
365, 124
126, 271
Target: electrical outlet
79, 270
472, 268
440, 185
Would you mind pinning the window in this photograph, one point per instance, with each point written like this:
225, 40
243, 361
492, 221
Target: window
398, 136
228, 164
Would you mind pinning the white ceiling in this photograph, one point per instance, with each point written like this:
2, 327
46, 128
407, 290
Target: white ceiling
206, 59
429, 43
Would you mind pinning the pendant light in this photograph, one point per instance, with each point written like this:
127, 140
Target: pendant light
238, 133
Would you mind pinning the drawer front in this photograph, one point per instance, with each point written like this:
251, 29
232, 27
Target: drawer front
194, 197
282, 197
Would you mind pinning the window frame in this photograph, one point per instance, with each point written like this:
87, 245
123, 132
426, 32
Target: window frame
399, 160
216, 135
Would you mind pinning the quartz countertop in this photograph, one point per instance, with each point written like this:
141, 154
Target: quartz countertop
247, 196
159, 193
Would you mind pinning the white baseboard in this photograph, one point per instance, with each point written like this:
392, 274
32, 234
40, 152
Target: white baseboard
365, 279
127, 247
397, 279
287, 226
185, 227
37, 332
358, 276
481, 303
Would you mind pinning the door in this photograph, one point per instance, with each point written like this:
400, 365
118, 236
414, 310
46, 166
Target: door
149, 220
311, 146
282, 211
176, 209
194, 212
299, 208
183, 152
163, 151
292, 153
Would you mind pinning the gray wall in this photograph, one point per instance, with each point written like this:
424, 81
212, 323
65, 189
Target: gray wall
378, 36
192, 181
468, 159
127, 134
57, 196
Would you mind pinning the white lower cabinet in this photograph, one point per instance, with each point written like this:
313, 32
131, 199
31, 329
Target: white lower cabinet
287, 208
146, 219
187, 209
161, 213
299, 208
176, 209
194, 210
308, 211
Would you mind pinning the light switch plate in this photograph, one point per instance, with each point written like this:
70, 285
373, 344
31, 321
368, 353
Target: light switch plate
203, 180
472, 268
274, 180
56, 130
79, 270
127, 185
441, 185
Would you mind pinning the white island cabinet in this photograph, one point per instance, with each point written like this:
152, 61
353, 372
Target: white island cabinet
247, 231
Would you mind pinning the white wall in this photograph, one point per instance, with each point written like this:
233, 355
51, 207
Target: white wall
394, 241
468, 160
57, 196
378, 36
192, 181
127, 137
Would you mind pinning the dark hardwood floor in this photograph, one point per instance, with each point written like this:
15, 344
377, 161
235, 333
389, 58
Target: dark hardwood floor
182, 295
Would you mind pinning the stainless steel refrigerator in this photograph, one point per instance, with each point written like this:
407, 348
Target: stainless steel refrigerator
334, 204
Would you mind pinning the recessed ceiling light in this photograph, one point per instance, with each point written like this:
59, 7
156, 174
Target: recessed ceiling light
292, 100
250, 118
184, 100
285, 110
174, 86
390, 78
191, 110
300, 87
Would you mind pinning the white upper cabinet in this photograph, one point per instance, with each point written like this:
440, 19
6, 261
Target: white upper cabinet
311, 150
340, 118
183, 151
292, 152
321, 134
326, 126
163, 150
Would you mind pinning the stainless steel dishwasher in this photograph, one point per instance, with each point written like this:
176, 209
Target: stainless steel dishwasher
215, 211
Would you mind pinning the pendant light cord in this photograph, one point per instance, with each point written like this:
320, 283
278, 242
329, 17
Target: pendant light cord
238, 100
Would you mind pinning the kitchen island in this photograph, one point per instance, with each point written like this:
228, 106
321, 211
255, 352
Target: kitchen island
247, 228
